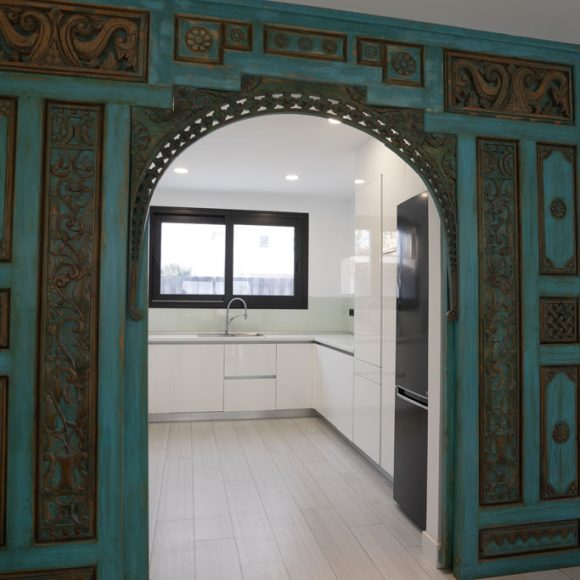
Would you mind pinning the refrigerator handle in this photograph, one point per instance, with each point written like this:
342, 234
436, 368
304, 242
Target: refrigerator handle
400, 393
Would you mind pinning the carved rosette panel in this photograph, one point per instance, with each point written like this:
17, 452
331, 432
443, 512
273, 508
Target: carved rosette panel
508, 87
59, 38
159, 136
67, 574
305, 43
68, 349
499, 297
559, 432
8, 145
3, 457
558, 320
528, 539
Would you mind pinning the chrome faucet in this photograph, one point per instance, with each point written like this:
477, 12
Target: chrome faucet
230, 320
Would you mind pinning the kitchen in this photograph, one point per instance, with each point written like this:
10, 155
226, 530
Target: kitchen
308, 361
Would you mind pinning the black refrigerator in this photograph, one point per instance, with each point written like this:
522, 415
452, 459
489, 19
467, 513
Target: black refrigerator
411, 374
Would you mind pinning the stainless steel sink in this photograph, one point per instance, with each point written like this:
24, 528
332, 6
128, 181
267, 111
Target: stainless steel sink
229, 335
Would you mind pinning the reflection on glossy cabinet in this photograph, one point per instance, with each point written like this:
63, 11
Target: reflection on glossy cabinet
250, 360
294, 370
367, 416
160, 365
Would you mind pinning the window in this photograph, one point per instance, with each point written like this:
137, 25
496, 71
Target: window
201, 258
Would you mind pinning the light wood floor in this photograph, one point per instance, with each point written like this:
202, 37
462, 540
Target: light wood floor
277, 500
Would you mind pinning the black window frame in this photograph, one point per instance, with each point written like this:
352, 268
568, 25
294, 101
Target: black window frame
160, 214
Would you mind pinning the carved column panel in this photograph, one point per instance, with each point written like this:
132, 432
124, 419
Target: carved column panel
67, 377
3, 458
499, 298
68, 574
7, 159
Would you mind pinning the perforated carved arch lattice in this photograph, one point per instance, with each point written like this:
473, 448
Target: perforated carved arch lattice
160, 135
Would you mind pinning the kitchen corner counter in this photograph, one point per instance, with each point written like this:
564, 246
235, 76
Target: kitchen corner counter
339, 340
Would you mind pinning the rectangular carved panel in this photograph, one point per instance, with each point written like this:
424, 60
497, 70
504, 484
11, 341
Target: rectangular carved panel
305, 43
72, 39
68, 357
4, 317
203, 40
7, 160
67, 574
559, 419
508, 87
528, 539
499, 304
3, 457
557, 209
558, 320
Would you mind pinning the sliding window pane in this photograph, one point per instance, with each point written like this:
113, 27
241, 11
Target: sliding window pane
192, 258
263, 260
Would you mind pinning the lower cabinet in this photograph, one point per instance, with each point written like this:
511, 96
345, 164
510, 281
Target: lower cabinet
294, 376
160, 366
254, 394
367, 416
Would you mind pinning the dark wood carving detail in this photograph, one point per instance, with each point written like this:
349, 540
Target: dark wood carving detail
3, 456
68, 356
558, 320
67, 574
160, 135
8, 110
508, 87
499, 298
59, 38
528, 539
305, 43
4, 318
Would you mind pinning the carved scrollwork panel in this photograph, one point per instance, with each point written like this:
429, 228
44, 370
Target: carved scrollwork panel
68, 346
62, 38
499, 296
7, 161
509, 87
160, 135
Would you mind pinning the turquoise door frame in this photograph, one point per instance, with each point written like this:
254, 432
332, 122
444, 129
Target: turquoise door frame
73, 354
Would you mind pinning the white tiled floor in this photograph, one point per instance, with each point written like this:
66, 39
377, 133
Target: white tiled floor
277, 500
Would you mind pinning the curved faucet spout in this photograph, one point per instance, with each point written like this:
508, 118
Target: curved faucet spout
230, 320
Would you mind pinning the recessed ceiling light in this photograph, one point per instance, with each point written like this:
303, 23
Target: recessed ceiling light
334, 122
359, 181
181, 170
292, 177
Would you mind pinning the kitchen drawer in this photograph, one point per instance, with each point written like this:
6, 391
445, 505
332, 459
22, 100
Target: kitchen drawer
250, 360
368, 371
249, 394
294, 376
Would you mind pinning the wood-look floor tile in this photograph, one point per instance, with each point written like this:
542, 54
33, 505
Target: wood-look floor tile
203, 445
217, 560
179, 441
158, 433
266, 571
272, 437
176, 499
299, 442
231, 456
173, 556
211, 509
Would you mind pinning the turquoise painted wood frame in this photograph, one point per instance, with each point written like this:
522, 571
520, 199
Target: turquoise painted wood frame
95, 100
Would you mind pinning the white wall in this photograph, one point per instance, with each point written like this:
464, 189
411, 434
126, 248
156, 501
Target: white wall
331, 226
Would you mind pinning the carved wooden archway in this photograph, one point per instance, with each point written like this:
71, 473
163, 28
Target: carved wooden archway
160, 135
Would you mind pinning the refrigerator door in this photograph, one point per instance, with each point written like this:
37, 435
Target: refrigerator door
410, 478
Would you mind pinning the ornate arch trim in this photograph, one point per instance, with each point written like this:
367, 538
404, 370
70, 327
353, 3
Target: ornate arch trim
158, 136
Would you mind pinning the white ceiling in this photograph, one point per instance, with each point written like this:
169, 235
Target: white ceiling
548, 19
255, 155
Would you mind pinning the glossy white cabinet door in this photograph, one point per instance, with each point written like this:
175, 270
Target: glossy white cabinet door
336, 389
294, 369
367, 416
256, 360
160, 376
249, 394
198, 375
317, 378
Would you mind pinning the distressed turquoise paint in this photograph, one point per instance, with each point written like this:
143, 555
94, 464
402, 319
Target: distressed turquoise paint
559, 184
3, 159
559, 354
561, 457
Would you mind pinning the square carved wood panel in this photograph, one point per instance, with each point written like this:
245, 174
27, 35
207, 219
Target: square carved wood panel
558, 320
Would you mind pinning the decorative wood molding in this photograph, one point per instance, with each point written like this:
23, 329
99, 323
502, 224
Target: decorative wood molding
66, 574
557, 221
499, 319
202, 40
3, 454
528, 539
8, 144
402, 64
558, 320
73, 39
508, 87
305, 43
160, 135
68, 351
4, 318
559, 432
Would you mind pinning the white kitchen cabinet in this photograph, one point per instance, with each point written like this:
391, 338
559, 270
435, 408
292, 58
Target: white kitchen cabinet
367, 410
250, 360
294, 372
335, 391
253, 394
197, 384
160, 365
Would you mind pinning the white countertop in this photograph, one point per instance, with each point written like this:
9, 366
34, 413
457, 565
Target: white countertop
340, 340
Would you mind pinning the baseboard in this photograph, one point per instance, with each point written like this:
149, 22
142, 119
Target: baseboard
432, 550
231, 415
